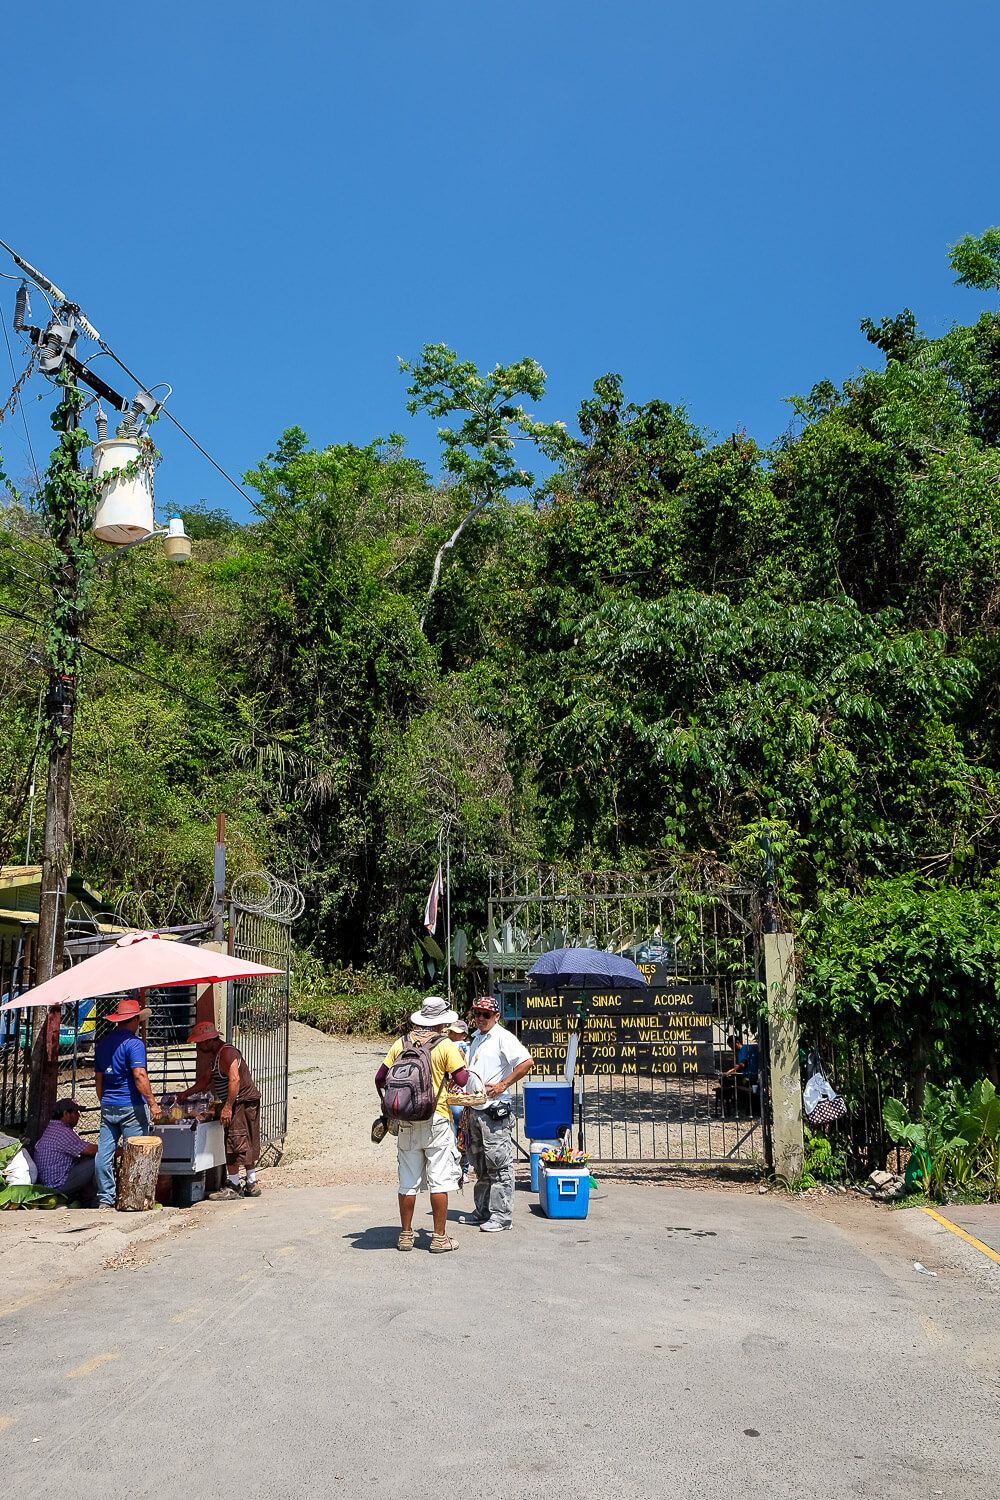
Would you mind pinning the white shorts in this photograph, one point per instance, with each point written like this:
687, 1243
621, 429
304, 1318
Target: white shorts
428, 1157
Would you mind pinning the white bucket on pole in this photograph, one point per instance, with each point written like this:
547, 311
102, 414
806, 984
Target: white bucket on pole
125, 509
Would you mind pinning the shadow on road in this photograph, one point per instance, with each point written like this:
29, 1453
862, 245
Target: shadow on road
376, 1237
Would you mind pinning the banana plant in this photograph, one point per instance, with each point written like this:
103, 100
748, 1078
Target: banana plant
980, 1123
936, 1138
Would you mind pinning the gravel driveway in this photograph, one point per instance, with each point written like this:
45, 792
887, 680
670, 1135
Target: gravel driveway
332, 1103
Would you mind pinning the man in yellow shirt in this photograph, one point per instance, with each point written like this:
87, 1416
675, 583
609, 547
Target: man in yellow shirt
426, 1150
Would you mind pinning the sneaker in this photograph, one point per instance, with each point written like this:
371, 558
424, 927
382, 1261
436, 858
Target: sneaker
470, 1219
492, 1226
251, 1190
226, 1195
442, 1243
406, 1238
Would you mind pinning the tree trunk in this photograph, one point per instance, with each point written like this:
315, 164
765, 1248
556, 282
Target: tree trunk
446, 547
919, 1066
139, 1170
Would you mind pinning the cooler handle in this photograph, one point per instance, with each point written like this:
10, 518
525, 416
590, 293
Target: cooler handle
567, 1187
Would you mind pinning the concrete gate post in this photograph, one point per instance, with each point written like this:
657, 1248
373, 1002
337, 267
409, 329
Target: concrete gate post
783, 1059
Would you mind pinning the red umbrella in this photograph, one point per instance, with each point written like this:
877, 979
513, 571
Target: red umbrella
138, 961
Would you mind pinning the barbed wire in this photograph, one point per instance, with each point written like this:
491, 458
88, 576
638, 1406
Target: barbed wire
266, 895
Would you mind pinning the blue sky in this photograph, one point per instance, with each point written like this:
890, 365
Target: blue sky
266, 205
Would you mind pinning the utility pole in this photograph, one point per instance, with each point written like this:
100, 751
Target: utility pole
67, 498
63, 506
219, 880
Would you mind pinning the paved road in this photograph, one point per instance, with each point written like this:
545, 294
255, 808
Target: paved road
981, 1220
676, 1343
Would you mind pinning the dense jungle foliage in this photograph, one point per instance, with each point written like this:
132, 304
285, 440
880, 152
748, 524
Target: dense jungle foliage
665, 646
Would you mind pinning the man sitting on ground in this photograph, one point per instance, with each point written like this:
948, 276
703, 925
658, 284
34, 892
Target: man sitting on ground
65, 1162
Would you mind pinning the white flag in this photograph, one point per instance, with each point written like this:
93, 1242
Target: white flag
433, 897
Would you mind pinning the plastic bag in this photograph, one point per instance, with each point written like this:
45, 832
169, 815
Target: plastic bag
21, 1171
821, 1102
817, 1087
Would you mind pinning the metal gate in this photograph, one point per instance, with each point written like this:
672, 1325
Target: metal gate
261, 912
650, 1101
17, 1030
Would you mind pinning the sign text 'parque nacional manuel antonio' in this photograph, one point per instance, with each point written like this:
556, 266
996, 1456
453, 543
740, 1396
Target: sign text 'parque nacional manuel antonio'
664, 1031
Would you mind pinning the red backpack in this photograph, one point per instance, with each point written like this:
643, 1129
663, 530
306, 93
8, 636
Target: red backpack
408, 1093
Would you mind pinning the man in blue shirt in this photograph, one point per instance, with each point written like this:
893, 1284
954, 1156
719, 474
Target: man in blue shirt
739, 1083
123, 1088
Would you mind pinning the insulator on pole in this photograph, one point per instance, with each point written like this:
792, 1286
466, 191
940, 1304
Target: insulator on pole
22, 308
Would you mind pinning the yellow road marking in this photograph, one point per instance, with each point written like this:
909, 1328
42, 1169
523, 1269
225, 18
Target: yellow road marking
91, 1365
346, 1208
185, 1316
962, 1234
6, 1422
286, 1250
22, 1302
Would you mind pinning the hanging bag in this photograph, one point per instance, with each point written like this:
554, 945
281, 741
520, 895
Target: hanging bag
821, 1102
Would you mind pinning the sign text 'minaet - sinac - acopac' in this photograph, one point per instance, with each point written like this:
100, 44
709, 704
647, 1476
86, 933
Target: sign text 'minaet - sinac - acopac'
663, 1031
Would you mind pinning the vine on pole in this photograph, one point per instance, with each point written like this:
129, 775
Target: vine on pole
67, 504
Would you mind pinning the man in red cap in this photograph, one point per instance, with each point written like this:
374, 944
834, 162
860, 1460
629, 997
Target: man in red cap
222, 1070
123, 1088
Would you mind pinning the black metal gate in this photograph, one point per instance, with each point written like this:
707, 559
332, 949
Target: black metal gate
657, 1098
261, 912
17, 1030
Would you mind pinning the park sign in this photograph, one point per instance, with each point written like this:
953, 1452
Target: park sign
663, 1031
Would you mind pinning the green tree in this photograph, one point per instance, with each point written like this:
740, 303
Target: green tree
334, 661
911, 965
479, 451
975, 259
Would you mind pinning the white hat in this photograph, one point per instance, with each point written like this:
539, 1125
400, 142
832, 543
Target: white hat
434, 1012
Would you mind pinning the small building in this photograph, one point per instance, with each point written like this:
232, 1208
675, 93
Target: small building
20, 890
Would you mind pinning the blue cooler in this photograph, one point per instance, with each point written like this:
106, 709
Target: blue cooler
548, 1107
535, 1149
565, 1192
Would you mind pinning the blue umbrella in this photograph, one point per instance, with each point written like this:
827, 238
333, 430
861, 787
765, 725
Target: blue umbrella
580, 968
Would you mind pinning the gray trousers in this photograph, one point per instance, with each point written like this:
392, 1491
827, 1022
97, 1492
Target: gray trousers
491, 1147
81, 1182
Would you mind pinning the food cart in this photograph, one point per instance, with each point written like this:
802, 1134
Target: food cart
194, 1148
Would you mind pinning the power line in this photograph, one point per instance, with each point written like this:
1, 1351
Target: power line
392, 644
119, 661
20, 405
190, 437
388, 641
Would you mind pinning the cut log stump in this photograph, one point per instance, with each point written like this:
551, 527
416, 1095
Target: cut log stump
139, 1170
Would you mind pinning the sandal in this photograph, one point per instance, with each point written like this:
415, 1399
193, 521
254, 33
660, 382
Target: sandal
441, 1243
406, 1238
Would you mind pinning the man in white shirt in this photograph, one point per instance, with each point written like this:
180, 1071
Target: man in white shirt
500, 1060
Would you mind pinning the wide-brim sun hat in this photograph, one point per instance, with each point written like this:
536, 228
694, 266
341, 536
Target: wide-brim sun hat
434, 1011
128, 1010
204, 1031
